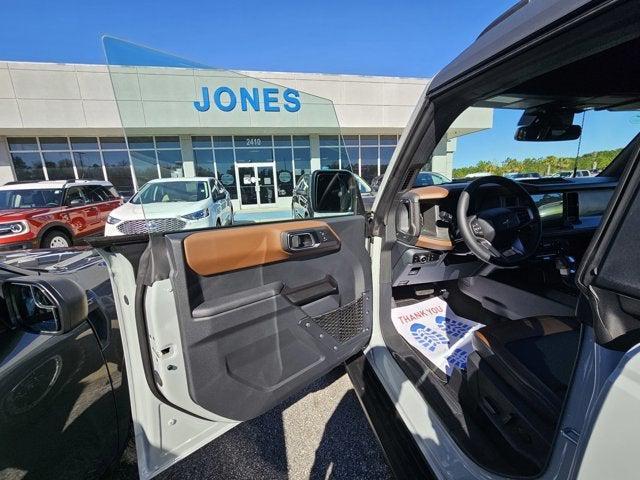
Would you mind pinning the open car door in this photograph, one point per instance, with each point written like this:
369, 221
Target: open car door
610, 278
220, 324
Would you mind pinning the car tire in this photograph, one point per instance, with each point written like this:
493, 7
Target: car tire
55, 239
231, 217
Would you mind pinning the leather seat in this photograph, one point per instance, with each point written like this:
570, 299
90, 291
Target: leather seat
534, 356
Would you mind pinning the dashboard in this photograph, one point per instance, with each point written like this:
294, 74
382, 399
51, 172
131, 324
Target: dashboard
427, 215
427, 232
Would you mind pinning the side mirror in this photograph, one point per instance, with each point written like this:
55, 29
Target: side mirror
335, 191
45, 303
76, 202
547, 126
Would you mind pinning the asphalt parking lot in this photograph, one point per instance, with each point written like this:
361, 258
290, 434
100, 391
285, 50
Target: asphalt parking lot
320, 433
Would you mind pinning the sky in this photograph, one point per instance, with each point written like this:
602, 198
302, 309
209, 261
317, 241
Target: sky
401, 38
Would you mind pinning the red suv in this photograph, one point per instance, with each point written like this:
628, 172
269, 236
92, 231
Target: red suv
51, 214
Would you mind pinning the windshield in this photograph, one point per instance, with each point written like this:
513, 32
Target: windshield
161, 192
30, 198
490, 148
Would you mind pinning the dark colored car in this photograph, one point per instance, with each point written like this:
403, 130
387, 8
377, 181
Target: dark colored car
53, 214
423, 179
64, 406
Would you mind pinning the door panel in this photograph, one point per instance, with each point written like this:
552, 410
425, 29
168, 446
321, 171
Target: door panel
258, 320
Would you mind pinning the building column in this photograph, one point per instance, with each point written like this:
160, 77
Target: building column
7, 174
188, 163
442, 160
314, 141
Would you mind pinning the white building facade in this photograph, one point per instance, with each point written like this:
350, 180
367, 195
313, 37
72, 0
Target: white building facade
257, 132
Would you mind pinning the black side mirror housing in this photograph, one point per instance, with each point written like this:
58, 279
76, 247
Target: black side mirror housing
335, 192
45, 303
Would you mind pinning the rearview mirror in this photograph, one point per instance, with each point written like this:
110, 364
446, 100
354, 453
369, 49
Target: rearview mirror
547, 126
76, 202
335, 191
45, 303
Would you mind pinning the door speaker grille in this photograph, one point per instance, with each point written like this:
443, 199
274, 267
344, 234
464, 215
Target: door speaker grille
343, 323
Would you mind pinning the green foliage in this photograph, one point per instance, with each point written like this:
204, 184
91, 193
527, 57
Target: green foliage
543, 165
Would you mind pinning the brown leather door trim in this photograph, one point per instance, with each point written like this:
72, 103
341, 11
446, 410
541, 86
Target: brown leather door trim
434, 243
431, 192
222, 250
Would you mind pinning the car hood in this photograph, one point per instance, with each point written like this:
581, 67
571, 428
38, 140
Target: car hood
21, 213
130, 211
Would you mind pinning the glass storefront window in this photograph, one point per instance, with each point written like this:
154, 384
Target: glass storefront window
59, 165
88, 165
369, 163
301, 141
284, 171
28, 166
254, 155
119, 171
140, 143
385, 157
201, 142
225, 169
170, 162
84, 143
164, 143
301, 161
113, 143
203, 160
284, 150
23, 144
54, 143
329, 157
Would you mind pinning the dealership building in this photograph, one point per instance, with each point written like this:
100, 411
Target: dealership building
257, 132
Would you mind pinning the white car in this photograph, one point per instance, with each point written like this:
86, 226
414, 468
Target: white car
172, 204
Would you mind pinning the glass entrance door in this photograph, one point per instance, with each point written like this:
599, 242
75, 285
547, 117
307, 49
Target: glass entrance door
257, 184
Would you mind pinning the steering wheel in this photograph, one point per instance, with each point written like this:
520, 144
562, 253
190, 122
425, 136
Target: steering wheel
502, 236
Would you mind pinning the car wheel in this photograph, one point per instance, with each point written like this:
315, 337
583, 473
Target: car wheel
55, 239
231, 217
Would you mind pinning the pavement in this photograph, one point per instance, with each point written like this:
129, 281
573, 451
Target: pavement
320, 433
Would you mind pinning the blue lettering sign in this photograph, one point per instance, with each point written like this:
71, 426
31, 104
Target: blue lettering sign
245, 98
205, 104
268, 95
292, 99
226, 100
217, 99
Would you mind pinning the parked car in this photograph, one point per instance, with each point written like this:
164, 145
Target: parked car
301, 201
172, 204
522, 176
425, 179
571, 174
64, 404
477, 175
53, 214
